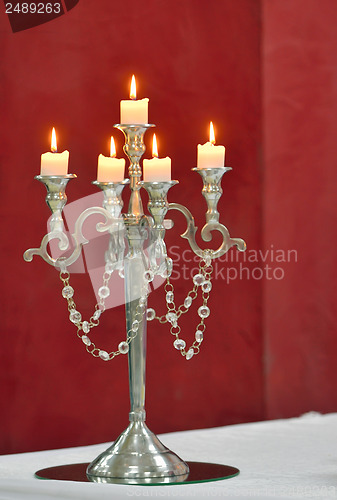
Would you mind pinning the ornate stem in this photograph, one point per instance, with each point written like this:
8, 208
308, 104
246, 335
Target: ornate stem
134, 279
147, 459
137, 456
134, 148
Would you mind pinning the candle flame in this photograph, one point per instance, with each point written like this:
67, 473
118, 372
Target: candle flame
53, 145
211, 133
133, 91
154, 147
112, 148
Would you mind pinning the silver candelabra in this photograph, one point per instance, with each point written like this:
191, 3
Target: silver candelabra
137, 456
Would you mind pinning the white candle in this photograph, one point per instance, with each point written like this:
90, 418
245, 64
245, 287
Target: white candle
157, 169
210, 155
134, 112
54, 163
110, 169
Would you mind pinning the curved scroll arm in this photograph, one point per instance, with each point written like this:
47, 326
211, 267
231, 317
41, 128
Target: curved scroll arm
77, 236
42, 250
206, 234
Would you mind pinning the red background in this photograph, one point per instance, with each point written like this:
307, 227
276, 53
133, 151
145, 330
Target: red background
265, 73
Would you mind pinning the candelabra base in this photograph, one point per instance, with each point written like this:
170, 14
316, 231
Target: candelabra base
137, 457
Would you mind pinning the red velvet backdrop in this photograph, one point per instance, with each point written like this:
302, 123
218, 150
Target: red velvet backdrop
299, 209
196, 61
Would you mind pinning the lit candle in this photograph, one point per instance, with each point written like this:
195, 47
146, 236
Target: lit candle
54, 163
134, 112
110, 168
210, 155
157, 169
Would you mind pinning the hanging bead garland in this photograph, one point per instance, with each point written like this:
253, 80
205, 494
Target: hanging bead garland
201, 281
84, 327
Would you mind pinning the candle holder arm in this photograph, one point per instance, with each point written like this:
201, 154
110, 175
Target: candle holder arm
78, 238
206, 234
212, 192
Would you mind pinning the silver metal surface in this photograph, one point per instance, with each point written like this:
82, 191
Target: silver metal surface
134, 148
212, 189
112, 192
158, 205
56, 196
113, 203
137, 456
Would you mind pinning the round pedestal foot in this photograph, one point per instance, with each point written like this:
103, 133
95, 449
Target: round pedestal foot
137, 456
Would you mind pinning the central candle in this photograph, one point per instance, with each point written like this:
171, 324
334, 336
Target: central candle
157, 169
134, 112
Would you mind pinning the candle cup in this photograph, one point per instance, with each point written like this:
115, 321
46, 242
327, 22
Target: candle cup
112, 192
56, 196
158, 204
134, 146
212, 190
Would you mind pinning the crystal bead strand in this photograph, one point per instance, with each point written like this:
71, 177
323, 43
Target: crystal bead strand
201, 280
84, 327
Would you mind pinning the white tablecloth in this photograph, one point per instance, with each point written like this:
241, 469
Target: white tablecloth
293, 458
